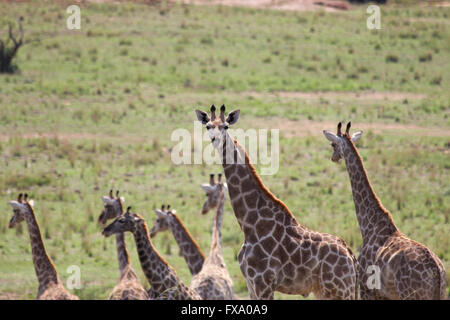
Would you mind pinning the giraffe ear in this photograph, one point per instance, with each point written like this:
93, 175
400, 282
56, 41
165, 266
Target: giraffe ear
208, 188
160, 213
331, 136
233, 117
356, 136
31, 202
16, 205
122, 199
202, 116
225, 186
107, 200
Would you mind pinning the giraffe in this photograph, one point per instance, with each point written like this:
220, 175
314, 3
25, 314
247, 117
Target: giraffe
212, 194
163, 279
189, 249
50, 285
278, 253
404, 268
128, 287
214, 282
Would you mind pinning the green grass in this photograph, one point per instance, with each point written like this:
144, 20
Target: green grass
103, 102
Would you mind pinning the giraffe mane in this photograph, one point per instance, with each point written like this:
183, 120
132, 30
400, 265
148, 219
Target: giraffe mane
33, 216
259, 182
147, 233
221, 198
121, 204
366, 177
188, 234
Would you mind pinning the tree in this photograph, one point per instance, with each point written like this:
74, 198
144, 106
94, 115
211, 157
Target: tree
7, 51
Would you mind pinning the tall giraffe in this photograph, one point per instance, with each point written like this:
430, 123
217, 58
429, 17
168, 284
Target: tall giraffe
278, 253
189, 249
50, 286
128, 287
406, 269
163, 279
214, 282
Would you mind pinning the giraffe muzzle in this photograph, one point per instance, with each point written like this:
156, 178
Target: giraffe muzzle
106, 233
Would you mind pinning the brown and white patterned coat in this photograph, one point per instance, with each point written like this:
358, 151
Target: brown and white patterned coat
214, 282
392, 265
50, 286
129, 286
163, 279
278, 253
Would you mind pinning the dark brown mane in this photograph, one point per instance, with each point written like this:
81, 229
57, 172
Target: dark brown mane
365, 176
121, 204
216, 234
259, 182
33, 216
147, 234
188, 234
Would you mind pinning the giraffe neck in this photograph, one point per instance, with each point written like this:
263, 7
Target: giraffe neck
250, 199
159, 274
216, 241
43, 265
122, 252
374, 220
194, 256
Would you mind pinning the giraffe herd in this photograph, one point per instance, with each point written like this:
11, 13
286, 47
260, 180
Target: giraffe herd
279, 254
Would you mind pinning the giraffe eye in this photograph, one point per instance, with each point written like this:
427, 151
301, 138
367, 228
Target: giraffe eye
208, 127
225, 127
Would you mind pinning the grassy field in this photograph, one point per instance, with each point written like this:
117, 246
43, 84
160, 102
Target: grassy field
94, 109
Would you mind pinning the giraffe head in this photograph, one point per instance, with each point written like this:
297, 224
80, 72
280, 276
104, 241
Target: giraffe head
162, 220
340, 141
212, 190
113, 207
217, 126
21, 208
126, 222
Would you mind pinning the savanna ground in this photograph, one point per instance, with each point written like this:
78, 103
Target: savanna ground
94, 109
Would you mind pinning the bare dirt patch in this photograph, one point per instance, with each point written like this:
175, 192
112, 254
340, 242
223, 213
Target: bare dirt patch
288, 128
302, 128
332, 95
9, 296
291, 5
440, 4
58, 136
